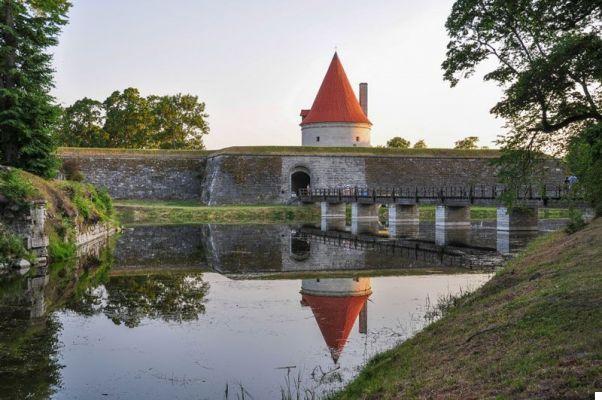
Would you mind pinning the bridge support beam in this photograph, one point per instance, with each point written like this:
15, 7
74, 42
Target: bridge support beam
403, 220
521, 219
332, 216
364, 218
452, 216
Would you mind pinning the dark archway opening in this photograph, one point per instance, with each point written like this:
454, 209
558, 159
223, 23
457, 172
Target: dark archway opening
299, 180
300, 247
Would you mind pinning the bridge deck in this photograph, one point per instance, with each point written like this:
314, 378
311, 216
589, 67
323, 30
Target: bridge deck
557, 196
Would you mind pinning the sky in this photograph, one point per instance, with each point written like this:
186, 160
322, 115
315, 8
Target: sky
257, 63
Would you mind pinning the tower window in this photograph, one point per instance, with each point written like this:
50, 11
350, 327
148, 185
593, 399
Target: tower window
317, 138
357, 138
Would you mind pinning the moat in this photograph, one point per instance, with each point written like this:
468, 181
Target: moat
214, 311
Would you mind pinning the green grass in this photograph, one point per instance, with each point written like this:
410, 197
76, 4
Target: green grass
145, 212
190, 211
533, 331
281, 150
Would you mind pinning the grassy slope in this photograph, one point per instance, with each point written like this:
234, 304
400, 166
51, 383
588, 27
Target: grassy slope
533, 331
176, 212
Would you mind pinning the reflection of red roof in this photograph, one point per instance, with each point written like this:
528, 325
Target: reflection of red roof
335, 317
335, 101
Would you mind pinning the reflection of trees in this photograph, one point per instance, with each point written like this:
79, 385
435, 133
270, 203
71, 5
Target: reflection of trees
28, 348
129, 299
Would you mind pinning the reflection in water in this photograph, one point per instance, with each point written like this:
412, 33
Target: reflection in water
336, 304
145, 313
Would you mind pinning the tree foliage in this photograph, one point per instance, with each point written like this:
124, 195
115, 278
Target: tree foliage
421, 144
28, 28
548, 59
127, 119
398, 143
468, 143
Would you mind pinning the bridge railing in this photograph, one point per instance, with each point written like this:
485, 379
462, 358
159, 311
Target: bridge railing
436, 193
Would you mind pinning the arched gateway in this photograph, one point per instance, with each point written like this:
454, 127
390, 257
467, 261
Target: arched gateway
300, 179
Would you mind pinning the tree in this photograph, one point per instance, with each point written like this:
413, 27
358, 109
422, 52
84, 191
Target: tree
180, 122
468, 143
548, 56
127, 119
28, 28
421, 144
398, 143
82, 124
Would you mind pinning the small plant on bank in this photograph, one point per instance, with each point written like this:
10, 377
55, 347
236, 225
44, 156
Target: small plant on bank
15, 189
12, 248
72, 171
576, 221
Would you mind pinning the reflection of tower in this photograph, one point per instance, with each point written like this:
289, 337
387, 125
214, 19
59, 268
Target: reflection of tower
336, 304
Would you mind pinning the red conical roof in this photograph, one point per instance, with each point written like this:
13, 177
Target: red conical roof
335, 317
335, 101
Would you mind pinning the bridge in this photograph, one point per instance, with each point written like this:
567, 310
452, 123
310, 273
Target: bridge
452, 204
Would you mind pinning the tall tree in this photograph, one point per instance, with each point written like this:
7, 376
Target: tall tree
82, 124
180, 121
129, 119
28, 28
548, 59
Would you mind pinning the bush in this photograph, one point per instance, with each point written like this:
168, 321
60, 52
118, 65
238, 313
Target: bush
584, 158
12, 248
71, 170
93, 205
15, 188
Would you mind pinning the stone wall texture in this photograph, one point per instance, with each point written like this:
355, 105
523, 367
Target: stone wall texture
131, 176
266, 179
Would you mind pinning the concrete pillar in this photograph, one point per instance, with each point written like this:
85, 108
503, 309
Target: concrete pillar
332, 216
517, 219
403, 220
445, 236
452, 216
364, 218
510, 242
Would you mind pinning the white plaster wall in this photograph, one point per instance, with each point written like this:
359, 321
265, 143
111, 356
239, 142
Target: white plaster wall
337, 287
336, 134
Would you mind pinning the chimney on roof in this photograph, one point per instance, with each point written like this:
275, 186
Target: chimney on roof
364, 97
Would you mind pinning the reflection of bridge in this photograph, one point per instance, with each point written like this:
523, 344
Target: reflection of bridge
400, 252
453, 204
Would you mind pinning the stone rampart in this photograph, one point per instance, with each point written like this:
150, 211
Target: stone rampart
265, 178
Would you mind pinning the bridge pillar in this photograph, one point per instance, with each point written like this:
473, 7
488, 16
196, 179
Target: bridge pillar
364, 218
517, 219
452, 216
509, 242
332, 216
403, 220
451, 235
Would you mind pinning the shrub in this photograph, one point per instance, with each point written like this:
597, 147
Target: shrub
72, 171
15, 188
12, 248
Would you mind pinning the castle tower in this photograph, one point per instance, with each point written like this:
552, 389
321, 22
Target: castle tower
336, 118
336, 304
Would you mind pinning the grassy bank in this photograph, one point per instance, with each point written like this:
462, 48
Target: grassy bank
178, 212
70, 206
533, 331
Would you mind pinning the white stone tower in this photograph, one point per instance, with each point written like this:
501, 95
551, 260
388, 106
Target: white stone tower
336, 118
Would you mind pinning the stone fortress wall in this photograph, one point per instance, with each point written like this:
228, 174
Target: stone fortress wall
255, 178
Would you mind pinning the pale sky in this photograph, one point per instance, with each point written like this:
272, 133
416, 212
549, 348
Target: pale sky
257, 63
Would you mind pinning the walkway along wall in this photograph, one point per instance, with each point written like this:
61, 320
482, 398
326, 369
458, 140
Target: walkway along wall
254, 178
